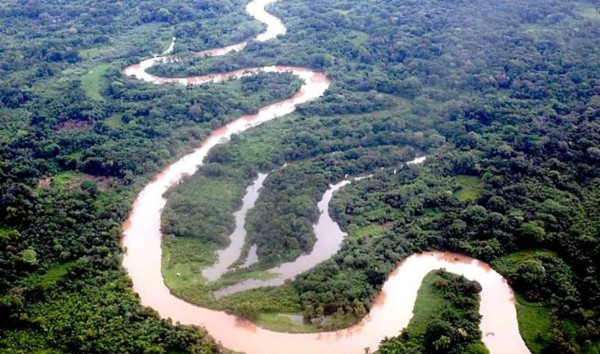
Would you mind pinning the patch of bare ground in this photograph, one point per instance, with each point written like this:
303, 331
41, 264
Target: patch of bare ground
73, 124
44, 182
387, 226
103, 184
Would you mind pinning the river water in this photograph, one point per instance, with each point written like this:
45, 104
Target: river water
227, 256
329, 240
393, 308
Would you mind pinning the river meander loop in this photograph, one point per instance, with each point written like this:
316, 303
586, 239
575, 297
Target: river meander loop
393, 307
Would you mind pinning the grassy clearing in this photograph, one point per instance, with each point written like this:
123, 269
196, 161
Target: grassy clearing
359, 38
534, 323
76, 154
114, 121
534, 318
50, 277
186, 257
93, 82
430, 214
470, 187
371, 230
65, 178
429, 305
270, 308
282, 322
236, 277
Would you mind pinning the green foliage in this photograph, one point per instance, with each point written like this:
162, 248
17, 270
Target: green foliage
29, 256
204, 207
535, 321
70, 171
50, 277
471, 188
92, 82
510, 139
445, 320
503, 92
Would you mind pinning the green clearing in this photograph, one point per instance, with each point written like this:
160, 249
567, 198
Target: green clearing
370, 230
534, 318
282, 322
241, 275
50, 277
114, 121
76, 154
265, 304
534, 323
64, 178
186, 257
359, 38
470, 187
428, 306
430, 214
93, 82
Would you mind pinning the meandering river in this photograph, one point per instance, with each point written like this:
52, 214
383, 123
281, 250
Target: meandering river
392, 310
227, 256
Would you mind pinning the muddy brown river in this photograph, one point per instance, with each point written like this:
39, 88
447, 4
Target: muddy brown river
393, 308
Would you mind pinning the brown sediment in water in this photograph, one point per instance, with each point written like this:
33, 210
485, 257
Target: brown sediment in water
126, 225
380, 298
393, 307
227, 256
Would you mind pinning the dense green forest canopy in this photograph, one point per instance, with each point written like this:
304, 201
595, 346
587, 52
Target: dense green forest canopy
77, 141
504, 99
503, 96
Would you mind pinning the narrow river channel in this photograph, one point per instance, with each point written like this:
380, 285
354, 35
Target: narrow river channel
393, 308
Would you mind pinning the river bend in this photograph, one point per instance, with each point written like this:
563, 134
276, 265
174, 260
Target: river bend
392, 310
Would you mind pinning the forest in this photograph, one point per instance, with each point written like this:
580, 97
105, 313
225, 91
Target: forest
503, 98
510, 130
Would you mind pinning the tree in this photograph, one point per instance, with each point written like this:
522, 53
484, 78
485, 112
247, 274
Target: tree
89, 186
195, 111
29, 256
533, 232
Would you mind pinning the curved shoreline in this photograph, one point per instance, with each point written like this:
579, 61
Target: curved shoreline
230, 254
329, 238
393, 308
329, 241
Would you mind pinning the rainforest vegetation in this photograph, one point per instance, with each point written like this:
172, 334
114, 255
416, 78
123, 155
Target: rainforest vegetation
503, 97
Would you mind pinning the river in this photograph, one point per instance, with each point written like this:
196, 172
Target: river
227, 256
392, 310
